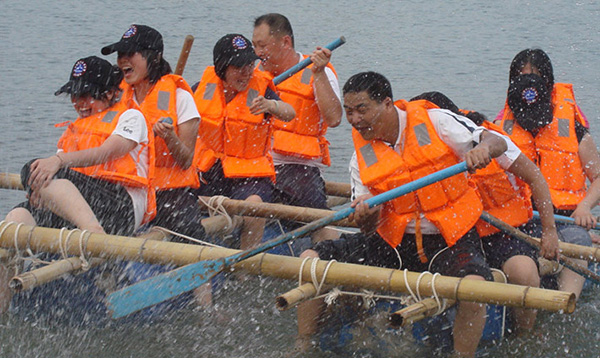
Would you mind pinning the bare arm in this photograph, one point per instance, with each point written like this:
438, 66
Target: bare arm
527, 171
278, 109
182, 144
490, 146
42, 170
366, 219
328, 102
588, 154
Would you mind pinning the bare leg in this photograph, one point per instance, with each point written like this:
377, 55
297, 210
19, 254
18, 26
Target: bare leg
64, 199
324, 234
468, 325
570, 281
253, 228
521, 270
21, 215
309, 314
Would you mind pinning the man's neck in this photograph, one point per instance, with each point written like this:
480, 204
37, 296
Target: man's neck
287, 62
392, 126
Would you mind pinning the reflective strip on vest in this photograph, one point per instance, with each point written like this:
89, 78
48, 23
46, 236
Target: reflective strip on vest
163, 100
252, 94
422, 134
563, 127
306, 75
109, 116
368, 155
508, 126
209, 91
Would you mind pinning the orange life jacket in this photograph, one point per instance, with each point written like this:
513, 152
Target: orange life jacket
498, 196
229, 132
555, 148
452, 205
161, 103
91, 132
304, 136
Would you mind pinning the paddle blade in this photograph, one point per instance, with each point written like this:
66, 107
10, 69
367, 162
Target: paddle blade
161, 287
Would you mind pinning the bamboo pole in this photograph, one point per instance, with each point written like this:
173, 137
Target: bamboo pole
293, 297
276, 211
10, 181
338, 189
428, 307
373, 278
333, 201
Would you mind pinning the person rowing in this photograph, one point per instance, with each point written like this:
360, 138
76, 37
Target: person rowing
237, 103
167, 103
429, 230
506, 187
300, 149
545, 122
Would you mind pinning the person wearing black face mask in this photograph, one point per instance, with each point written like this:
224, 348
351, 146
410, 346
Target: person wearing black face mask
543, 119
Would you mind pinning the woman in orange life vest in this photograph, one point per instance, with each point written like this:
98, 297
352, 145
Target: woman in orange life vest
236, 102
503, 198
543, 119
167, 103
98, 180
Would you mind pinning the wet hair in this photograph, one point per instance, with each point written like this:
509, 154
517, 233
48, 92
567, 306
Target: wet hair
536, 58
157, 65
442, 101
278, 24
376, 85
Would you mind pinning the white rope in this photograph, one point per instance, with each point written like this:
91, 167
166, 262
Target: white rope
301, 270
174, 233
215, 206
85, 264
313, 274
421, 275
410, 291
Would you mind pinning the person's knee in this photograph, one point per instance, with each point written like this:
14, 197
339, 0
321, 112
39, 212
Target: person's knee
522, 270
20, 215
309, 253
254, 198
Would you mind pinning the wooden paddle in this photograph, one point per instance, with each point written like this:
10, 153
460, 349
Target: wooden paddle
168, 285
583, 271
183, 56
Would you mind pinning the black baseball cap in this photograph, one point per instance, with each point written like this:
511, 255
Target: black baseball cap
135, 39
91, 75
530, 101
232, 49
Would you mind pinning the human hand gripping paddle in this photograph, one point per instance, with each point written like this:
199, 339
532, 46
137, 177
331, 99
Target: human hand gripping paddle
514, 232
168, 285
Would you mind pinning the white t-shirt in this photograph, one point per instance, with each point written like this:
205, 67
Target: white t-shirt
132, 126
284, 159
458, 132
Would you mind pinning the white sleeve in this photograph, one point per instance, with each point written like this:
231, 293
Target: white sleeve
333, 81
458, 132
358, 188
186, 107
132, 126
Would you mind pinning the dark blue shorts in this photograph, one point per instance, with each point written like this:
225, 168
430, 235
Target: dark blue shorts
500, 247
214, 183
463, 258
300, 185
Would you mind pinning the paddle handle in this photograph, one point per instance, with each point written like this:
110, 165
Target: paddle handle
304, 63
563, 219
183, 56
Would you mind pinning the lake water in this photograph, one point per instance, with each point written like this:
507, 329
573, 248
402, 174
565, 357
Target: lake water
462, 49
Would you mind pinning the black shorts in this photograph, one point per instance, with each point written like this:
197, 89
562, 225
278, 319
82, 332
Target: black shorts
500, 247
178, 210
214, 183
110, 202
300, 185
462, 259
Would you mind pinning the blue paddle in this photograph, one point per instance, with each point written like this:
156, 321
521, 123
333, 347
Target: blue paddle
168, 285
563, 219
304, 63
